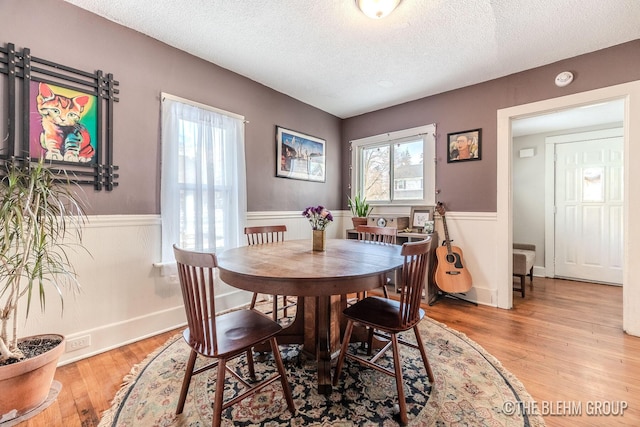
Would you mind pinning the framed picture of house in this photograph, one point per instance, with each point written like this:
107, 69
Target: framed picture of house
300, 156
465, 145
422, 218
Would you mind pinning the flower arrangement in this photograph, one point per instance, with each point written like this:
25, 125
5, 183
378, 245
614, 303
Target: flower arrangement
318, 217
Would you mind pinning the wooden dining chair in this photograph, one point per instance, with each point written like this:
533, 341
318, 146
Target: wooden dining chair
389, 317
372, 233
382, 235
222, 337
269, 234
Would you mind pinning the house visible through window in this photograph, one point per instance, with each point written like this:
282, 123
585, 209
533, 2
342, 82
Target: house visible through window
398, 167
203, 192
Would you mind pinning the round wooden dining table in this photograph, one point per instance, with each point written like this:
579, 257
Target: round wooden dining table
319, 279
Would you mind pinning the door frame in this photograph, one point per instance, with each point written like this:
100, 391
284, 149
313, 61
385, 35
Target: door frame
630, 92
550, 187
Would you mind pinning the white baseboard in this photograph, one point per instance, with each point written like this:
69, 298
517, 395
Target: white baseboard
109, 337
539, 271
112, 336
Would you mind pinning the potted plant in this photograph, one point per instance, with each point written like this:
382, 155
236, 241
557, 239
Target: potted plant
360, 209
39, 209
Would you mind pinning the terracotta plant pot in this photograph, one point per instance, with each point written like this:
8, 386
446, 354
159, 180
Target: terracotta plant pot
25, 385
359, 220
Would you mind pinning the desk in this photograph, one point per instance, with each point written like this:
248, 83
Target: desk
318, 279
403, 237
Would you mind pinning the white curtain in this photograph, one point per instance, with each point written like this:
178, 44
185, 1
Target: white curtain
203, 187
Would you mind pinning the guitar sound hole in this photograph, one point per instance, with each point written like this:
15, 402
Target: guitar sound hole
454, 258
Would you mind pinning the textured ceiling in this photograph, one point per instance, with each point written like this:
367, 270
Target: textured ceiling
326, 53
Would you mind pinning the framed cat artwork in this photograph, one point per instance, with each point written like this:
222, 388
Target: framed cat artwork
60, 114
63, 124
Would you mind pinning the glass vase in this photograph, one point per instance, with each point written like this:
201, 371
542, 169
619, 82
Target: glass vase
319, 240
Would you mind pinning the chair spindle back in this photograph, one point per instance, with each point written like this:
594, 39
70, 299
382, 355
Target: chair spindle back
371, 233
414, 272
196, 273
265, 234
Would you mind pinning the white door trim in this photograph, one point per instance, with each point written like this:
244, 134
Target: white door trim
630, 92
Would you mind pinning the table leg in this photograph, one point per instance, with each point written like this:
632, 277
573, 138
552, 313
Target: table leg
324, 345
322, 333
294, 333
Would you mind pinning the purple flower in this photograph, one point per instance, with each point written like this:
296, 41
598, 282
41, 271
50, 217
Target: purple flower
318, 217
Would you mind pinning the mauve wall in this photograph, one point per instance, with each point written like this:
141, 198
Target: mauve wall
471, 186
65, 34
145, 67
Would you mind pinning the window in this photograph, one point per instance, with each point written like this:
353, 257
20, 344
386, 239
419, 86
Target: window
203, 192
396, 168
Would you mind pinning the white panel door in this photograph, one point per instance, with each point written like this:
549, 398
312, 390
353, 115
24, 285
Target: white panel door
589, 210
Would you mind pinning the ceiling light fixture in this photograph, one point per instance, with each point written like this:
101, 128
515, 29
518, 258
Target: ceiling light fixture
377, 9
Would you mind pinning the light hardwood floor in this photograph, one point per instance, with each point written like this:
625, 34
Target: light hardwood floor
564, 341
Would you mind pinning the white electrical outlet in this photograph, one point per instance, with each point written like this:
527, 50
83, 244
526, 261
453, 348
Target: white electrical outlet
78, 343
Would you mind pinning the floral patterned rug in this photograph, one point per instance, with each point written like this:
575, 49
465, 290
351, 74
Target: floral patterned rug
471, 389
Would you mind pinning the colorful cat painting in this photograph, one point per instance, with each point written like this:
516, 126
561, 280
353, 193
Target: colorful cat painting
63, 136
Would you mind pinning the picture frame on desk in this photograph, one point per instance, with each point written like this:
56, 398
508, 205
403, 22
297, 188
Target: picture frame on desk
429, 226
422, 217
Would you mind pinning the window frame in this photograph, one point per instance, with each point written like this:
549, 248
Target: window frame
428, 135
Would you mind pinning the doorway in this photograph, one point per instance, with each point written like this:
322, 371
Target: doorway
567, 183
630, 93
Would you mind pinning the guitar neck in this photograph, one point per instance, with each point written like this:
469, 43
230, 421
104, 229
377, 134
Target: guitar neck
446, 234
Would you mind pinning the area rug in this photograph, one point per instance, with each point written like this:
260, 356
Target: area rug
471, 389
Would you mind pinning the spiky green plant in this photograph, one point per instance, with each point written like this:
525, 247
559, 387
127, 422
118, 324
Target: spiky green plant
359, 206
39, 209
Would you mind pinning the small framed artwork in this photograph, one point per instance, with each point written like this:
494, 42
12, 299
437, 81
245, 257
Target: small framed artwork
465, 145
429, 226
422, 218
300, 156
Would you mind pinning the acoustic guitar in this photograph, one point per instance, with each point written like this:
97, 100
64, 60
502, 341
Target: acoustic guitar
451, 275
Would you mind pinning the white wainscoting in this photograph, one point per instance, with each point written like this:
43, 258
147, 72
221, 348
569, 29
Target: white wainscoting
474, 233
124, 298
298, 226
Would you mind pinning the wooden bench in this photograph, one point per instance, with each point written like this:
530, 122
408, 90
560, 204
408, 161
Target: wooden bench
524, 257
